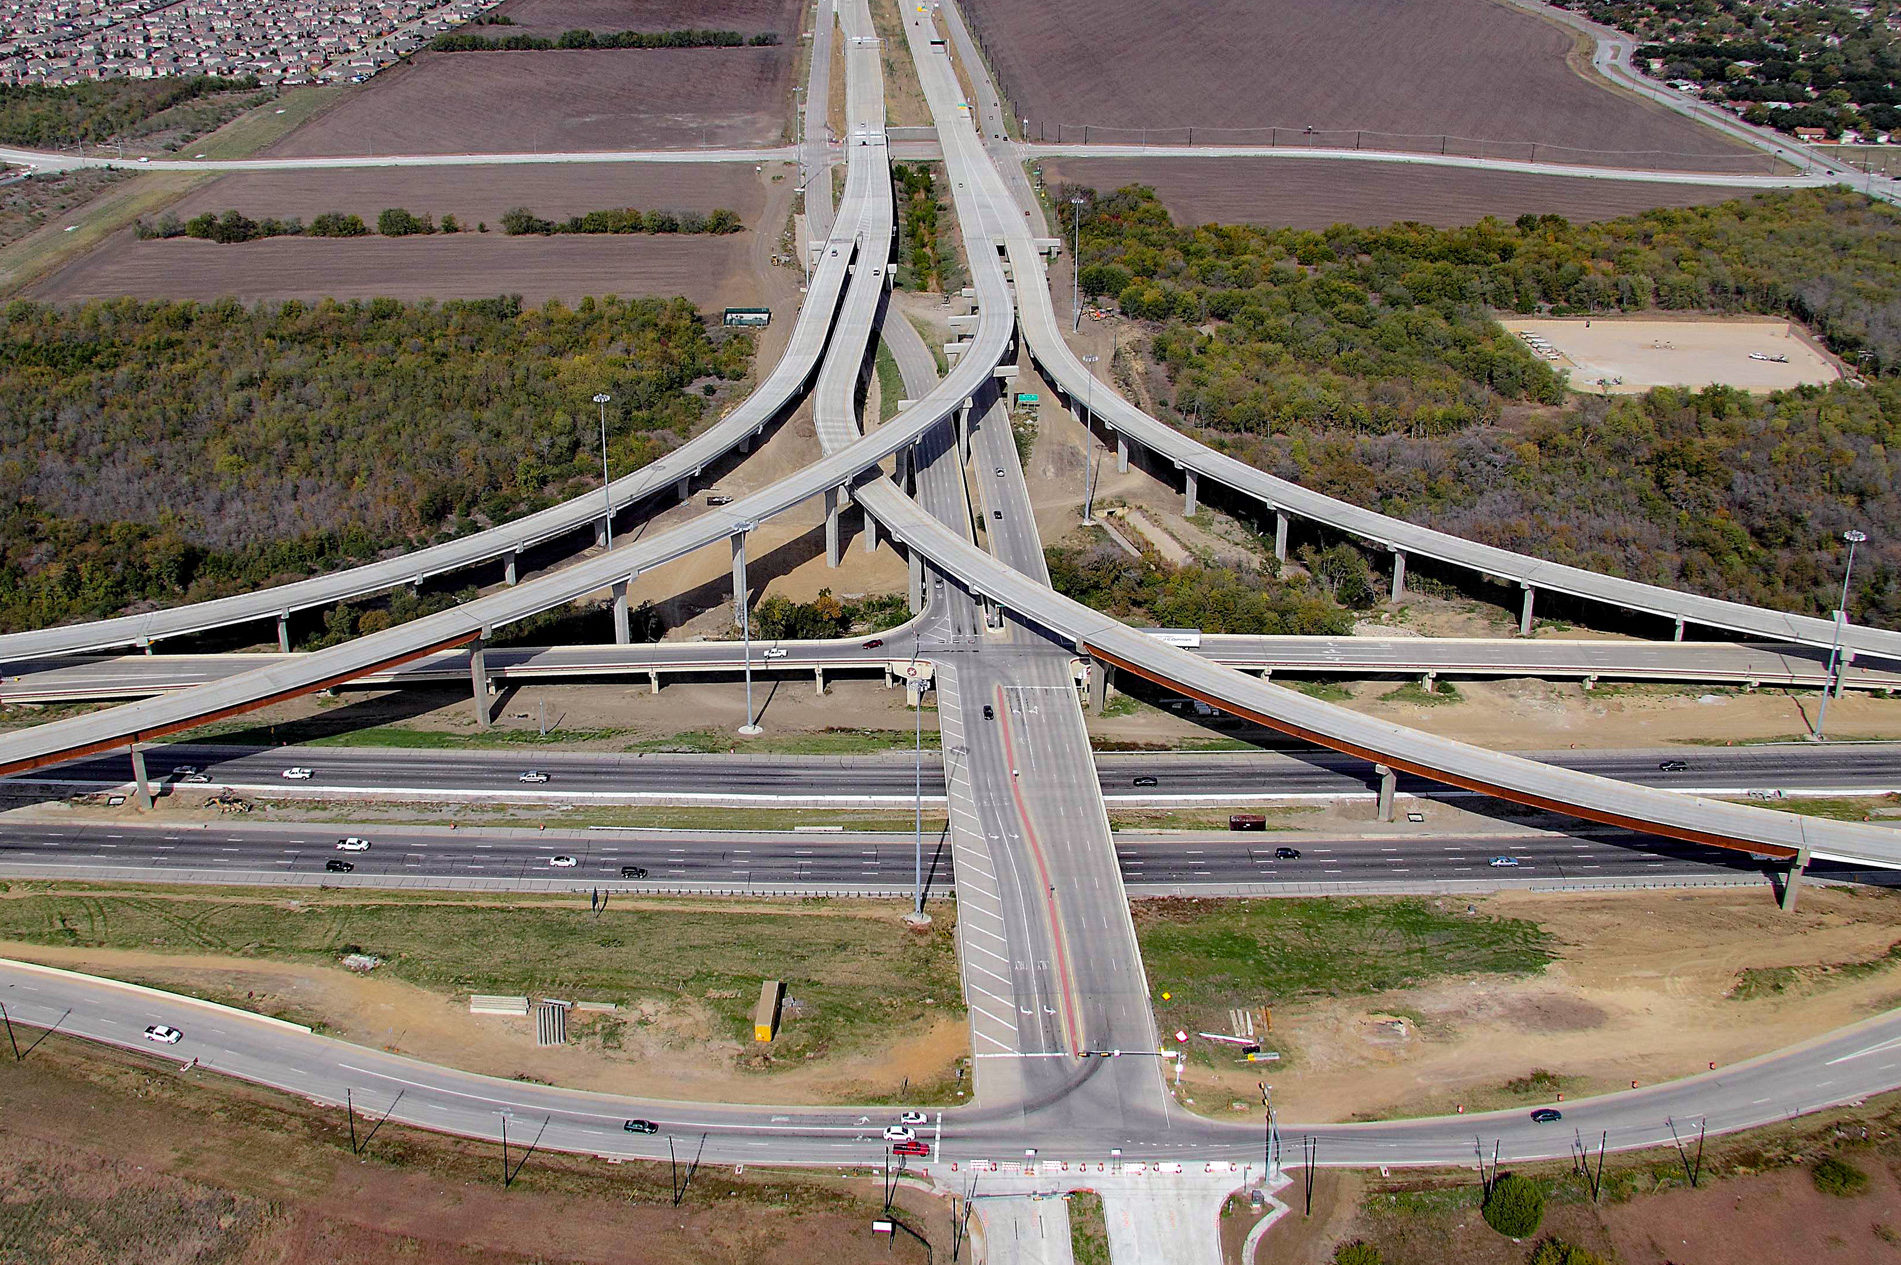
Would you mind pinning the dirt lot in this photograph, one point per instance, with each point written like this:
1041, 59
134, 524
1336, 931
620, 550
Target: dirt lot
557, 101
1464, 67
110, 1157
549, 18
1305, 193
1654, 969
1623, 357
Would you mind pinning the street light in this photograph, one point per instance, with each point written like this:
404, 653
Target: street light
1089, 440
607, 492
917, 773
1076, 268
1853, 537
740, 594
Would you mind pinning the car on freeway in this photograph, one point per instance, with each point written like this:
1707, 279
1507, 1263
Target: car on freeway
184, 770
899, 1133
633, 871
353, 844
1287, 854
914, 1147
337, 865
1674, 766
196, 777
990, 713
298, 773
777, 652
874, 643
998, 514
913, 1117
1146, 780
533, 775
1547, 1115
641, 1126
1504, 863
163, 1035
562, 862
999, 472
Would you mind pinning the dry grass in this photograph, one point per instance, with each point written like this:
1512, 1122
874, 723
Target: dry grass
41, 253
1470, 68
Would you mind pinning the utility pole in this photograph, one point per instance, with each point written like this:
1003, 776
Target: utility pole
1089, 441
1853, 537
8, 1020
607, 492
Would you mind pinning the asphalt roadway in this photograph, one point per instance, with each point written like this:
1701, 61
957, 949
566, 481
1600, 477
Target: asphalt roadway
885, 779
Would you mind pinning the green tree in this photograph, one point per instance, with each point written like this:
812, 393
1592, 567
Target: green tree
395, 221
1359, 1252
1555, 1251
1515, 1207
1836, 1176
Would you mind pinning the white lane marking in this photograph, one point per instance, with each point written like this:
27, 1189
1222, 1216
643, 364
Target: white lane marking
1882, 1048
1008, 1023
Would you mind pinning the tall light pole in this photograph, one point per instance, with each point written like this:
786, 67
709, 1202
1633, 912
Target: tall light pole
917, 773
1853, 537
607, 491
1089, 440
805, 254
740, 594
1076, 268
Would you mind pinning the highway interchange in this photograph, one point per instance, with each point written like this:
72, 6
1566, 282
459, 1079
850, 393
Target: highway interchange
1051, 972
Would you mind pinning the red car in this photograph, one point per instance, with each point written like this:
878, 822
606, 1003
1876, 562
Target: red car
874, 643
922, 1149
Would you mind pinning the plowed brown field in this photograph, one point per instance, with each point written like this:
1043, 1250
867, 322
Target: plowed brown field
476, 194
551, 102
1468, 68
1309, 193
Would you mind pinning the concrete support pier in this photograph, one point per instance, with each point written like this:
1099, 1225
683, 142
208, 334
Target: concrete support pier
818, 680
915, 591
1122, 453
1191, 484
1678, 634
831, 528
1280, 535
1524, 612
871, 533
1793, 880
478, 680
283, 632
685, 488
600, 533
622, 635
141, 783
1101, 676
963, 431
653, 679
1388, 782
1399, 574
510, 574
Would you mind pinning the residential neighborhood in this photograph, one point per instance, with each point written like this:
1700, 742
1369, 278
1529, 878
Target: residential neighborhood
289, 42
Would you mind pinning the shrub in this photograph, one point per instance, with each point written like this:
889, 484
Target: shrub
1557, 1252
397, 222
337, 224
1836, 1176
1515, 1207
1358, 1252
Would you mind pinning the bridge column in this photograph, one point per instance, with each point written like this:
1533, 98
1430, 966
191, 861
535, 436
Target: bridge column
745, 442
653, 680
916, 590
963, 431
1524, 612
685, 488
622, 634
146, 646
1793, 880
818, 679
1678, 635
600, 533
1841, 671
142, 783
1101, 676
1429, 682
1388, 782
510, 575
1399, 574
1280, 535
1191, 483
283, 632
740, 592
1122, 453
831, 528
871, 533
478, 681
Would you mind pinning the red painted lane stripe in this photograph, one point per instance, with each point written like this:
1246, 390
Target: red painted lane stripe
1049, 891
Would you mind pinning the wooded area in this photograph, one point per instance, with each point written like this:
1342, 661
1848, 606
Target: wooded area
160, 452
96, 110
1213, 599
1363, 363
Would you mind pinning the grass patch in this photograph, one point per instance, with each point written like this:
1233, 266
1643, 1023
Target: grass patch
853, 975
1198, 819
567, 817
1023, 431
265, 125
1415, 693
694, 741
1845, 808
1756, 982
1122, 705
890, 383
1088, 1232
1329, 691
52, 247
1211, 956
